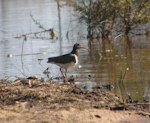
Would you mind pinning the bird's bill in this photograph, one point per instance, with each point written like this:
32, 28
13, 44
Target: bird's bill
85, 48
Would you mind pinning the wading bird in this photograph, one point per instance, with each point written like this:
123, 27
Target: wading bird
68, 60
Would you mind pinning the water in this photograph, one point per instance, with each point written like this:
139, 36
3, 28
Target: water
121, 57
16, 20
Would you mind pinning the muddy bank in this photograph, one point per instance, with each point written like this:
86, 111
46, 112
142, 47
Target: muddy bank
33, 100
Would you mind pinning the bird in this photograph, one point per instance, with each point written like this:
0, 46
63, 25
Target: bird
67, 60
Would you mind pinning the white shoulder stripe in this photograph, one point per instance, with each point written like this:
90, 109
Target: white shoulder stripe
76, 58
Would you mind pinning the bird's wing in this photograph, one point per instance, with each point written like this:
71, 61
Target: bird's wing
62, 59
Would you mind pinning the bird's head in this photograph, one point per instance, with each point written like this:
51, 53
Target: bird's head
79, 46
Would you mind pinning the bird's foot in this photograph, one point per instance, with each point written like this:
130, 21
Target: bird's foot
65, 79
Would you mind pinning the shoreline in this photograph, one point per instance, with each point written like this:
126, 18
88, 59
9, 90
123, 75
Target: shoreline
33, 100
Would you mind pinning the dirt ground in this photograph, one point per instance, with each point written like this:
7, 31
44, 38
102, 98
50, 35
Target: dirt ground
31, 100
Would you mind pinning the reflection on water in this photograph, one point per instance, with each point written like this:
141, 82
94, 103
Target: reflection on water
127, 59
123, 63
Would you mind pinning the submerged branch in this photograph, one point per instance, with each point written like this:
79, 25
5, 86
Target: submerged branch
36, 22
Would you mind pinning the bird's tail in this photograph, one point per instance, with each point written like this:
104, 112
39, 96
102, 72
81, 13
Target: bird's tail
49, 60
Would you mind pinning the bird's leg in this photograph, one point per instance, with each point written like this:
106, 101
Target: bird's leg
62, 73
65, 80
66, 75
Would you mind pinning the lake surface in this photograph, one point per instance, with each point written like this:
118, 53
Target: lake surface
125, 63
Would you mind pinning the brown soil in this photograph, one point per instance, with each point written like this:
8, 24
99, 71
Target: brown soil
26, 101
